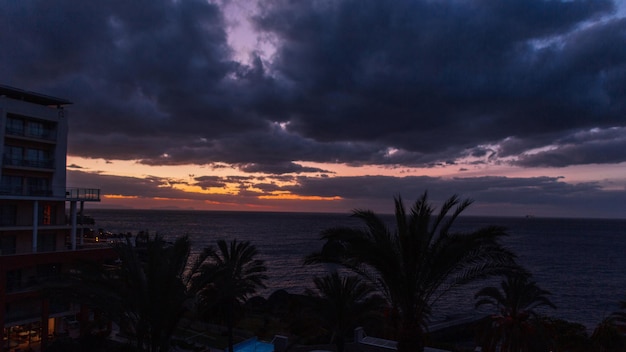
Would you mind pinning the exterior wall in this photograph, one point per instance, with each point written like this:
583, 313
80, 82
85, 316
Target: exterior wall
38, 241
3, 119
43, 113
59, 178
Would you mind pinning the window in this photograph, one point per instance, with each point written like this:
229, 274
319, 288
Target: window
39, 186
46, 242
8, 214
47, 215
35, 158
15, 126
13, 155
14, 280
23, 126
35, 129
11, 184
48, 270
7, 244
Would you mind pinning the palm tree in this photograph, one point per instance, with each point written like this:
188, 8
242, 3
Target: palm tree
157, 293
224, 278
609, 334
344, 301
144, 292
516, 325
619, 317
418, 262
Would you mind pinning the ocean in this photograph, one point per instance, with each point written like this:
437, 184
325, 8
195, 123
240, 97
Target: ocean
582, 262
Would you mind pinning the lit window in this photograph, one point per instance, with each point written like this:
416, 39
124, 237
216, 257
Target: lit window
47, 215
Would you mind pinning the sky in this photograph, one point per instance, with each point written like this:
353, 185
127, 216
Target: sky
331, 106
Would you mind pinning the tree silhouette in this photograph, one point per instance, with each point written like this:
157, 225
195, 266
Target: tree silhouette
609, 334
343, 302
516, 326
419, 261
619, 317
223, 278
143, 292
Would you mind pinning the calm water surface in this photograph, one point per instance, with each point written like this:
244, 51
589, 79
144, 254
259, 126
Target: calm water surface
581, 261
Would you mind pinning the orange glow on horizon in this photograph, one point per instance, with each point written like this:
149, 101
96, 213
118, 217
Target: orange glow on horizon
286, 196
119, 196
229, 190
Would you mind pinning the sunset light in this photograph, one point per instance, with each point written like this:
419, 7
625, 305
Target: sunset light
251, 104
313, 175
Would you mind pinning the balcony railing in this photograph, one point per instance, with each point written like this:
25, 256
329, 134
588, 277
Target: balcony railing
80, 194
49, 135
85, 194
41, 164
25, 191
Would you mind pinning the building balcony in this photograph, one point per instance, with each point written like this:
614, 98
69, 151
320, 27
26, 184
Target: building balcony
71, 194
25, 191
37, 164
83, 194
44, 135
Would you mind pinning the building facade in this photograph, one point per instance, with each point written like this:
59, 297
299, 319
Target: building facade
41, 231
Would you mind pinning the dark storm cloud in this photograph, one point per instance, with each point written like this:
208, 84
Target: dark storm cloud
492, 195
149, 188
281, 168
264, 150
384, 187
137, 71
423, 76
595, 147
209, 181
126, 186
410, 82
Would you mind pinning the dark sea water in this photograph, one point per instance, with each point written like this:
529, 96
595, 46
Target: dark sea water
582, 262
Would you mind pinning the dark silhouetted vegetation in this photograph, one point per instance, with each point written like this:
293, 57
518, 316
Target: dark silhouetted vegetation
223, 278
516, 326
342, 304
416, 263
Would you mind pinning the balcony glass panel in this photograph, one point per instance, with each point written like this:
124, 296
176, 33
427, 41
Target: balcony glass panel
14, 280
17, 156
38, 186
11, 185
17, 126
22, 310
46, 242
35, 129
7, 245
8, 214
34, 186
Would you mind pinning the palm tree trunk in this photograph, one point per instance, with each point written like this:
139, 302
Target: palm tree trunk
340, 343
411, 337
229, 326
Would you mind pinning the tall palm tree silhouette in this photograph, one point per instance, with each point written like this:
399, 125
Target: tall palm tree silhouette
515, 327
144, 292
224, 277
343, 302
420, 260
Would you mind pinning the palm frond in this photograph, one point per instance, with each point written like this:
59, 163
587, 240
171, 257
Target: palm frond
420, 260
